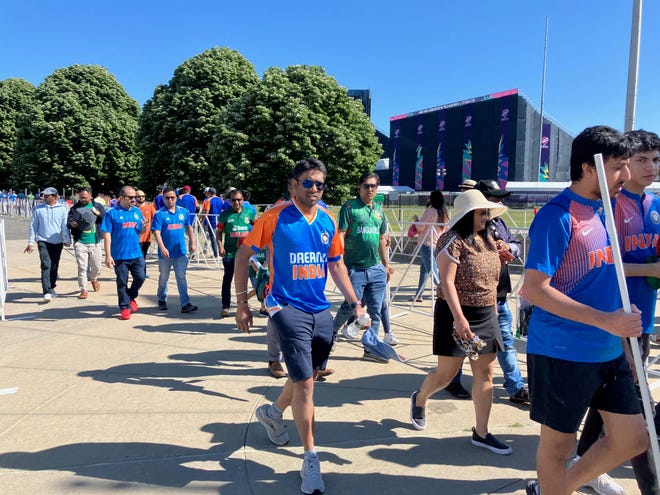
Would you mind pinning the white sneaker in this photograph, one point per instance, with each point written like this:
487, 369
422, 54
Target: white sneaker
48, 297
274, 427
390, 339
312, 482
349, 331
604, 485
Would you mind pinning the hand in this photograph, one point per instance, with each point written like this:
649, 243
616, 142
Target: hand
358, 312
74, 224
462, 329
164, 252
623, 324
243, 317
28, 249
193, 248
67, 244
109, 262
221, 252
389, 271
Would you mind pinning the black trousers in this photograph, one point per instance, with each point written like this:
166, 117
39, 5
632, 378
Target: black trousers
49, 254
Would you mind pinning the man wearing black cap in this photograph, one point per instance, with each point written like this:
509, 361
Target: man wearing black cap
509, 249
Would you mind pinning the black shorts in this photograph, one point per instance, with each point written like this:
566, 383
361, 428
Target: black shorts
561, 391
305, 340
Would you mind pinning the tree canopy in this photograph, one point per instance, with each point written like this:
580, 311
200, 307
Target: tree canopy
79, 131
292, 114
177, 123
15, 97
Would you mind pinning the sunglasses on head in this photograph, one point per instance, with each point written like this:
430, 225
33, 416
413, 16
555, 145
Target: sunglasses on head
307, 184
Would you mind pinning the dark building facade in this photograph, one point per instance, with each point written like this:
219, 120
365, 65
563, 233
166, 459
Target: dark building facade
496, 136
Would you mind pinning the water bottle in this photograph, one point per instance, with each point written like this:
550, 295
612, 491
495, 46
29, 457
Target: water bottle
353, 330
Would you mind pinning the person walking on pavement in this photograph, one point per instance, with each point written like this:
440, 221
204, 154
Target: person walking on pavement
211, 208
235, 223
362, 226
509, 249
304, 246
169, 225
121, 228
49, 230
84, 220
148, 211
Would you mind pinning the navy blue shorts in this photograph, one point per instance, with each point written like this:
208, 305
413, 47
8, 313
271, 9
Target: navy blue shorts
305, 339
561, 391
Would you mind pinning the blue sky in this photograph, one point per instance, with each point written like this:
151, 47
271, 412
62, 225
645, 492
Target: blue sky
412, 55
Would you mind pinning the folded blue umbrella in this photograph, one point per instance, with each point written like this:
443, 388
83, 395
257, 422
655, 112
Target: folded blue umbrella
375, 346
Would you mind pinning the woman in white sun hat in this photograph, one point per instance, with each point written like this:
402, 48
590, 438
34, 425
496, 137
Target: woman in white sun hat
469, 266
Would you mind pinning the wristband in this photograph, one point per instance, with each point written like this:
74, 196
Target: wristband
241, 302
242, 292
354, 305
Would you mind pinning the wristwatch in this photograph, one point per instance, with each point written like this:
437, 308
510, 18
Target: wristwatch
354, 305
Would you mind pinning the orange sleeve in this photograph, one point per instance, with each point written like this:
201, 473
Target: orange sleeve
336, 245
262, 232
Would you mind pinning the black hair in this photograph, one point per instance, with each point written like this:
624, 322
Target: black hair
122, 191
168, 189
594, 140
641, 141
465, 227
370, 175
308, 164
437, 201
85, 189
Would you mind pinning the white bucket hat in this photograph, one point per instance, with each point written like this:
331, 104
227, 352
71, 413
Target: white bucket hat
471, 200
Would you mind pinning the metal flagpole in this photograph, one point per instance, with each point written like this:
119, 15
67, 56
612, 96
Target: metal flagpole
633, 66
625, 299
545, 56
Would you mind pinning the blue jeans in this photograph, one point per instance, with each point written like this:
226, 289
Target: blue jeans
508, 358
369, 286
125, 293
180, 264
426, 267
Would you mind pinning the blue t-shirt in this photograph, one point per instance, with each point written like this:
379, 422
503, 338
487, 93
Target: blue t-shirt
215, 208
299, 254
637, 220
189, 202
172, 227
569, 242
124, 226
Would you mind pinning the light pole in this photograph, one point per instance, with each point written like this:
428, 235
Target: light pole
633, 66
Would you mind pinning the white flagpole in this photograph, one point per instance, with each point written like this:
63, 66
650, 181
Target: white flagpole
625, 299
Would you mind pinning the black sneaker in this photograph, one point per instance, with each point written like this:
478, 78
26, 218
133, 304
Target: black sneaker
533, 488
491, 443
458, 391
520, 397
417, 415
370, 356
189, 308
162, 305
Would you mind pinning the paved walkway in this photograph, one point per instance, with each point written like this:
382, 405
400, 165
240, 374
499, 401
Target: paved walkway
164, 403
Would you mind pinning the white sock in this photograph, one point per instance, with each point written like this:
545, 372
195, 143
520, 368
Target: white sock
276, 412
310, 453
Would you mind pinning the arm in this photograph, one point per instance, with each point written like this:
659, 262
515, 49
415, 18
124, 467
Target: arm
221, 247
107, 243
339, 274
161, 245
642, 269
385, 255
192, 245
64, 229
538, 291
243, 313
34, 223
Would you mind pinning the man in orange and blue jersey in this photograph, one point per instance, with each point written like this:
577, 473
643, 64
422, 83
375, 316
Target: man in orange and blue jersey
304, 245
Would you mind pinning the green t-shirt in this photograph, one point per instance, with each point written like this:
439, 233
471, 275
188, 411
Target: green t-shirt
88, 223
363, 226
236, 227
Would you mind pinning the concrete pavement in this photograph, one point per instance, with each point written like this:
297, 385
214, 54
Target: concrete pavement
164, 403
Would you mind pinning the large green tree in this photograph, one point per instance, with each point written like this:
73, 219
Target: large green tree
289, 115
177, 124
79, 131
15, 97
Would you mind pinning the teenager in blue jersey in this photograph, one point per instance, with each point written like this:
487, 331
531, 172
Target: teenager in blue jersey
575, 358
637, 217
304, 245
121, 228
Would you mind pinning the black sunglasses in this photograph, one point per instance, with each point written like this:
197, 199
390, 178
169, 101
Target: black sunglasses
307, 184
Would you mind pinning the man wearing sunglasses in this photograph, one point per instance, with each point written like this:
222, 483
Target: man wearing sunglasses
121, 228
362, 225
236, 223
304, 245
48, 228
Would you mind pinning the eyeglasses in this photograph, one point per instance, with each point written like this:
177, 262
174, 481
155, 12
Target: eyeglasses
129, 197
307, 184
369, 186
140, 196
236, 200
483, 212
169, 197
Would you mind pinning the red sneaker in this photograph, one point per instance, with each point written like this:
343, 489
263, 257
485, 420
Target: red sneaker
125, 314
134, 306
